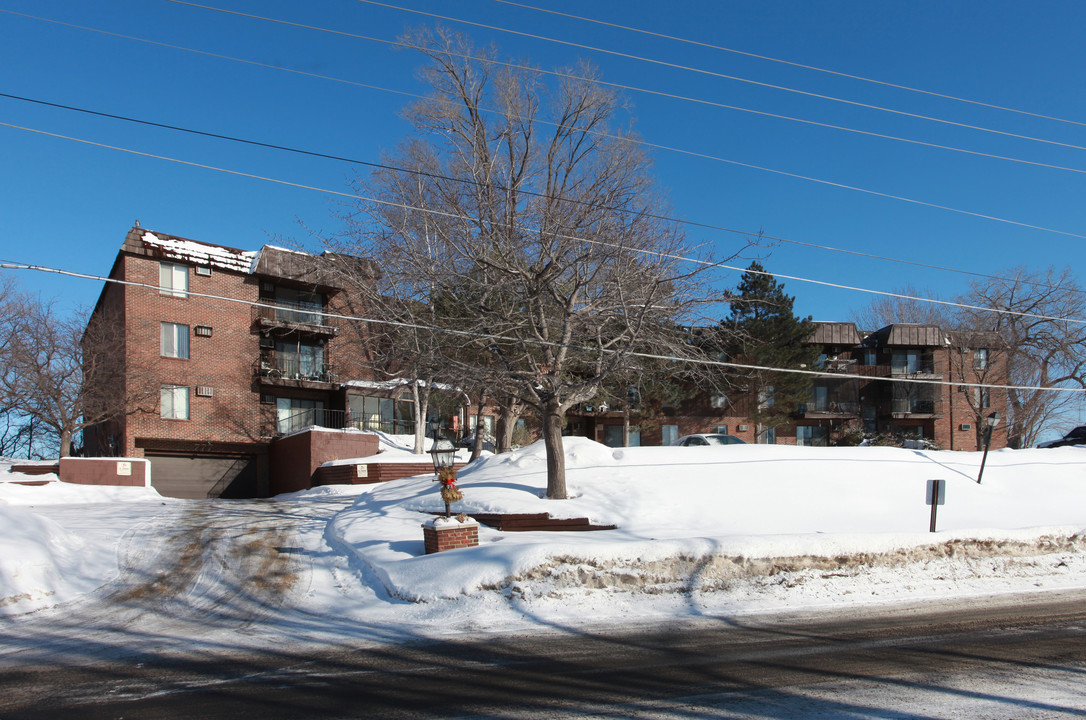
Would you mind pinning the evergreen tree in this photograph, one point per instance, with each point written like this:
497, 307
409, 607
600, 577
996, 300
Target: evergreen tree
763, 330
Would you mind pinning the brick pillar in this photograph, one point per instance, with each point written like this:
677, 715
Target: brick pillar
450, 533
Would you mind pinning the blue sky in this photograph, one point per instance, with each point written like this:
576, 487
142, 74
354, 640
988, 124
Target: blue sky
68, 205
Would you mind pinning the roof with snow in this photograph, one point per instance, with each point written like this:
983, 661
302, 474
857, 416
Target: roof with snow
169, 247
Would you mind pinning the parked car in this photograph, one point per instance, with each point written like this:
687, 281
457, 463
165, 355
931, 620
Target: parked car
1075, 437
708, 439
468, 442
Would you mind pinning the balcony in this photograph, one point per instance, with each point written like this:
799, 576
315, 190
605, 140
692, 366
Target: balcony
302, 317
901, 407
286, 422
840, 365
829, 409
293, 371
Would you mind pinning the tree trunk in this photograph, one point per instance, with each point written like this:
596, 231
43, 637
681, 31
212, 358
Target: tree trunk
422, 408
626, 427
65, 443
504, 431
556, 457
480, 426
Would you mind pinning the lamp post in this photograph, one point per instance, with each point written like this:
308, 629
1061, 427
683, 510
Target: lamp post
443, 453
990, 422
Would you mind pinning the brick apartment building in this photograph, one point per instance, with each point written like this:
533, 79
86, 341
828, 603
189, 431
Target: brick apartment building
225, 352
904, 381
223, 376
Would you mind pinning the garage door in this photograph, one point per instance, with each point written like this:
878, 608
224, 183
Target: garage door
188, 477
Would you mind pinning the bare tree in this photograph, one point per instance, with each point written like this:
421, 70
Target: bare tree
902, 308
62, 375
1031, 323
1038, 316
538, 241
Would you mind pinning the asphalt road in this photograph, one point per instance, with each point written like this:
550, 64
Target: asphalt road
1011, 658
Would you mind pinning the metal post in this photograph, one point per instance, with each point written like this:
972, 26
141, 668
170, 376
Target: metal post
991, 423
936, 486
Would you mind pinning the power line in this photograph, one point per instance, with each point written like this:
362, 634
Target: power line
647, 144
421, 173
634, 88
455, 216
687, 68
8, 265
793, 64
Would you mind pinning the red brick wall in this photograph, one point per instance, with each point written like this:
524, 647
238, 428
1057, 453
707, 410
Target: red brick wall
105, 471
295, 458
449, 537
222, 362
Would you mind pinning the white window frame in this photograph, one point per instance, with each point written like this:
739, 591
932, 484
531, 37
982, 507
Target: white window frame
174, 340
980, 359
174, 402
173, 279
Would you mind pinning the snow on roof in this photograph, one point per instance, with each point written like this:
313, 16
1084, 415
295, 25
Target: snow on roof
396, 383
200, 253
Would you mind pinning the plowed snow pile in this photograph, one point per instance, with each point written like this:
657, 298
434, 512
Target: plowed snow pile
698, 530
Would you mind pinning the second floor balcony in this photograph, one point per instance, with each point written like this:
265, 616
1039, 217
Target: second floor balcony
912, 406
831, 408
278, 369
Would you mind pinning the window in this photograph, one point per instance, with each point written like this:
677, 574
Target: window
300, 362
905, 362
719, 401
612, 436
175, 340
298, 306
173, 279
669, 434
377, 413
765, 398
174, 401
811, 436
768, 436
293, 414
488, 425
721, 429
870, 356
980, 359
982, 398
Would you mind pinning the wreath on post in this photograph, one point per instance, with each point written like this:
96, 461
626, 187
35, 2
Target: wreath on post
449, 492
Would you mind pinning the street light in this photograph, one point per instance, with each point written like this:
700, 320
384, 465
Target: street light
443, 453
990, 422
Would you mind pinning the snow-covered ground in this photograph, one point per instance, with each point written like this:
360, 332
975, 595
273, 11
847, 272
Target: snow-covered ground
700, 532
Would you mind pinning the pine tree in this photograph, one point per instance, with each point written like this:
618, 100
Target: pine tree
763, 330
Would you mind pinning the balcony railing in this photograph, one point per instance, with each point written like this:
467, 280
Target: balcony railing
278, 367
842, 365
287, 422
292, 313
906, 406
830, 408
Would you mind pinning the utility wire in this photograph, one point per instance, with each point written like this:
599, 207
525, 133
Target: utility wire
756, 56
422, 173
8, 265
687, 68
456, 216
657, 93
657, 146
